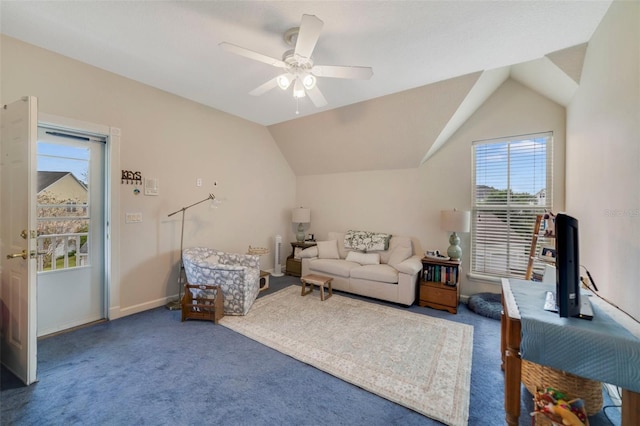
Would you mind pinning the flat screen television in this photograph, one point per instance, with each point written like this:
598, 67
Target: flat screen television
567, 266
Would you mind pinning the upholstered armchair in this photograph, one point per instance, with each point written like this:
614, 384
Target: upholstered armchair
238, 275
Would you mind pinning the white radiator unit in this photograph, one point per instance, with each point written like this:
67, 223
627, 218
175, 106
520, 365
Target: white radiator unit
277, 256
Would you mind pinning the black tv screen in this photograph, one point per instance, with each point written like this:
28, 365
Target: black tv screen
567, 266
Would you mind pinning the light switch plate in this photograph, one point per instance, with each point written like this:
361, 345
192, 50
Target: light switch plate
133, 217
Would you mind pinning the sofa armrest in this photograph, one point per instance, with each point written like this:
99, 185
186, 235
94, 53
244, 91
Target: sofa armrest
410, 266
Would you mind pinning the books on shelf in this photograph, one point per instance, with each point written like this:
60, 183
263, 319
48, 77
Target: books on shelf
439, 273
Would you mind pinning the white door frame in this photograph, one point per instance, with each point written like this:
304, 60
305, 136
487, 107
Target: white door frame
111, 204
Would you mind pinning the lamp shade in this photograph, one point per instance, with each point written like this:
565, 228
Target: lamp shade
455, 220
301, 215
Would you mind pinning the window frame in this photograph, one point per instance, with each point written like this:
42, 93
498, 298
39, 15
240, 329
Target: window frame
515, 214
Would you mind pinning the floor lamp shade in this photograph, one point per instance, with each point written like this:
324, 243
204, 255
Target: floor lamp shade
455, 221
300, 216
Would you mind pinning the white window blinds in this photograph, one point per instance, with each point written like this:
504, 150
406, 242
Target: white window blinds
513, 183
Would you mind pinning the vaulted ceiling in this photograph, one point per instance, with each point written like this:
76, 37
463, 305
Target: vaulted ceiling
457, 52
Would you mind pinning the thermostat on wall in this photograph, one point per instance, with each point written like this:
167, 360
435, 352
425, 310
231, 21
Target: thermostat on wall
151, 186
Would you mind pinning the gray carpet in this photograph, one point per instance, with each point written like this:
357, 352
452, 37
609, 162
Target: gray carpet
150, 368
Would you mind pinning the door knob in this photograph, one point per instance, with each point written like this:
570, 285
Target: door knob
22, 255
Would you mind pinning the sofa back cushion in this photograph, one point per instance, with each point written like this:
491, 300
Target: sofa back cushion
339, 237
398, 254
328, 249
394, 242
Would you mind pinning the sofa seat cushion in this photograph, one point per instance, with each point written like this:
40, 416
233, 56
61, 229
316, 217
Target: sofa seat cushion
381, 273
363, 258
339, 267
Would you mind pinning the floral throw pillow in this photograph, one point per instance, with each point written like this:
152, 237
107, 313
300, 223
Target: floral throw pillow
366, 241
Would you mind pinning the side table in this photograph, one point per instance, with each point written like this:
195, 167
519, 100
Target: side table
294, 266
440, 284
264, 280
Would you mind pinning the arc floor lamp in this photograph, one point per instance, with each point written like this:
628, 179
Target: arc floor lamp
175, 305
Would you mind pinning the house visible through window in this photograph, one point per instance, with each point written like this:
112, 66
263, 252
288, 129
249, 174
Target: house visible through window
513, 183
62, 206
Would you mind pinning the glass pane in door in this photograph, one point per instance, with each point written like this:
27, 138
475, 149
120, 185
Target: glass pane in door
63, 206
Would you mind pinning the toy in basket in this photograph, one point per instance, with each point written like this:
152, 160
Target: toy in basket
554, 408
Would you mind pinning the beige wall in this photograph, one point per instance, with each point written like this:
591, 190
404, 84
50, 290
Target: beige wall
378, 201
603, 157
408, 201
176, 141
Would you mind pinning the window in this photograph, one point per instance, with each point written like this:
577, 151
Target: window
513, 183
63, 204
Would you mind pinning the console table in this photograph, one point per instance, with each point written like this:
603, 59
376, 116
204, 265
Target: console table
518, 309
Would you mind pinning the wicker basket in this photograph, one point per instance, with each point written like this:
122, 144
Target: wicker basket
536, 376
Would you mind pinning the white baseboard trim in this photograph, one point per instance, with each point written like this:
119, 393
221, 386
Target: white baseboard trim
118, 312
68, 326
114, 312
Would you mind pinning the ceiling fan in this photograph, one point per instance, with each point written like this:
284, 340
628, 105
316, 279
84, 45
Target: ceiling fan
297, 64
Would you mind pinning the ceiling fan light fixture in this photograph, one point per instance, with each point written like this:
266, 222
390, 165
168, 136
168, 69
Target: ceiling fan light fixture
283, 82
309, 81
298, 89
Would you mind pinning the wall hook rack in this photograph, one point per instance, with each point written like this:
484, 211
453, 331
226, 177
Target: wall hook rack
129, 177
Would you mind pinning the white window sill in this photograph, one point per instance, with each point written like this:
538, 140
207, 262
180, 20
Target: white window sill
491, 279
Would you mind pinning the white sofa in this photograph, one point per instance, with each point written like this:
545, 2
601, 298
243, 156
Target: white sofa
390, 275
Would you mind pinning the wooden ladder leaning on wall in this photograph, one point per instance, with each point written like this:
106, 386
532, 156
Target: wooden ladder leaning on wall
534, 244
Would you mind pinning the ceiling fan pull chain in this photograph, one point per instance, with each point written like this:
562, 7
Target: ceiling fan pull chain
297, 112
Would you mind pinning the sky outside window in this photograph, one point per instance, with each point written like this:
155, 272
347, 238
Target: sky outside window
63, 158
518, 165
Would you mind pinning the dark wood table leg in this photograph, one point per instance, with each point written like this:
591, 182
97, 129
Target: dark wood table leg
630, 408
513, 365
511, 337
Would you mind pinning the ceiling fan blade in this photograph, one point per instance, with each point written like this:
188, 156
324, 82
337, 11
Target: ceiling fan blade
265, 87
308, 35
316, 97
232, 48
336, 71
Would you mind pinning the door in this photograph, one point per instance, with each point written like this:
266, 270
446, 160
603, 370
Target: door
70, 217
18, 238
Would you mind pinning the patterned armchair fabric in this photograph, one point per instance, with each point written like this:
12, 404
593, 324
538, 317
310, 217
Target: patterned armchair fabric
237, 274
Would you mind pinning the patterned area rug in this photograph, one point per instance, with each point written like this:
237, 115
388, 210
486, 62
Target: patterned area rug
420, 362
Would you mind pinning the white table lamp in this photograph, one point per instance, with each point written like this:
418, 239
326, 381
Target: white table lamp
300, 216
455, 221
